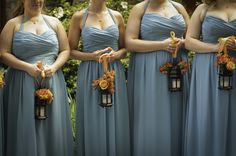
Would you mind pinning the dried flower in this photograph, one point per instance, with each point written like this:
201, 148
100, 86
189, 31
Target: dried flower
106, 82
226, 61
44, 95
182, 65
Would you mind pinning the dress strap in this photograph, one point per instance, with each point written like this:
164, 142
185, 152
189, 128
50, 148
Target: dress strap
48, 24
146, 6
22, 23
85, 16
112, 16
205, 12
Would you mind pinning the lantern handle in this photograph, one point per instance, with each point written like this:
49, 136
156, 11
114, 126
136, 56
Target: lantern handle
104, 59
41, 67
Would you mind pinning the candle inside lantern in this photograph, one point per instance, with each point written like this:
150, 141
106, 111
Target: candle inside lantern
42, 111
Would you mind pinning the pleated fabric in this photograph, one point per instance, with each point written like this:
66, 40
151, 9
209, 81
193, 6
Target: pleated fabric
211, 117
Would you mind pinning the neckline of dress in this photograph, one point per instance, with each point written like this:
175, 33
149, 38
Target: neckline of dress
159, 15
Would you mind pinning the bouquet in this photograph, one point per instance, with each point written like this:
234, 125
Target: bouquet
106, 83
224, 61
181, 65
43, 95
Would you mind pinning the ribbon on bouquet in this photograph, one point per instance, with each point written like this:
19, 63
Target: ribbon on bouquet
173, 41
41, 67
223, 47
104, 59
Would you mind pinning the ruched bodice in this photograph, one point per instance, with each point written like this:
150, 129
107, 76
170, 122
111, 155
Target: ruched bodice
157, 27
45, 46
213, 28
96, 39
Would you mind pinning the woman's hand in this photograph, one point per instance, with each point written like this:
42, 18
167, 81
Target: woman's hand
231, 44
172, 46
33, 70
98, 53
49, 71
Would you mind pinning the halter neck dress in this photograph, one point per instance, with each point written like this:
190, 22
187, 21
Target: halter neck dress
26, 136
101, 131
211, 117
157, 115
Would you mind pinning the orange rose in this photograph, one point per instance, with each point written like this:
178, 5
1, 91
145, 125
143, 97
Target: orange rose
230, 65
103, 84
44, 94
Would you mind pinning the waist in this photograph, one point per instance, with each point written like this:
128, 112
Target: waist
46, 60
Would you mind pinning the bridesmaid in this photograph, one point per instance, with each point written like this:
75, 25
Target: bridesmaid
100, 131
157, 115
211, 117
29, 37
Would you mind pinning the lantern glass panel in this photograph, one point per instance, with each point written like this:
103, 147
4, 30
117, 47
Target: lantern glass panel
106, 99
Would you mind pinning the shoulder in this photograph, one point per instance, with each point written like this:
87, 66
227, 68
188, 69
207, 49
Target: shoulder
139, 8
201, 10
53, 21
117, 15
78, 15
14, 23
179, 6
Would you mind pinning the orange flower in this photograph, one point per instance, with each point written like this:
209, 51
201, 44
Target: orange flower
226, 61
106, 82
44, 94
165, 68
103, 84
230, 65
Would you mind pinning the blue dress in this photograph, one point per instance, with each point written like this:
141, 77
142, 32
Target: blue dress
157, 115
101, 131
211, 117
1, 121
26, 136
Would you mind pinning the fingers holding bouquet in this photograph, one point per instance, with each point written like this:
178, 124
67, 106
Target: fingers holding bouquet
175, 44
98, 53
45, 70
231, 43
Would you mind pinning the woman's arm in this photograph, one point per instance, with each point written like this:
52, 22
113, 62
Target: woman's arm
133, 43
6, 39
121, 53
194, 30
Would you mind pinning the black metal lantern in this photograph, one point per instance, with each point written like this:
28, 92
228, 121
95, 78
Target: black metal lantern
224, 78
106, 99
175, 79
40, 109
